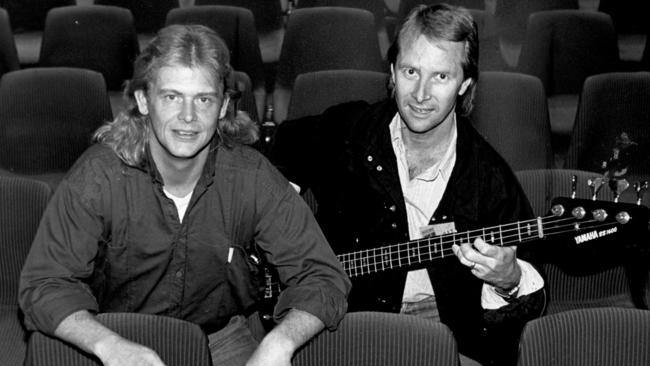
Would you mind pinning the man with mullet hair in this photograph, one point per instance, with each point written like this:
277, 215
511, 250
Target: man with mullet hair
169, 213
410, 167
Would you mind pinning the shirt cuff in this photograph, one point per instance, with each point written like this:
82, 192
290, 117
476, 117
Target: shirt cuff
530, 282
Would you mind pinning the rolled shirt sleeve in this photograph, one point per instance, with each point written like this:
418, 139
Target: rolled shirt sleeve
51, 283
294, 244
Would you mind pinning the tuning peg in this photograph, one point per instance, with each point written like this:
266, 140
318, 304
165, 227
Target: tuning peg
579, 212
557, 210
617, 187
574, 186
599, 215
623, 217
640, 188
595, 184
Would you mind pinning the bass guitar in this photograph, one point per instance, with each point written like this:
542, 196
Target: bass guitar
583, 221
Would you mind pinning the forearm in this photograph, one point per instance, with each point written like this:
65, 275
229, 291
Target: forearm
83, 330
277, 348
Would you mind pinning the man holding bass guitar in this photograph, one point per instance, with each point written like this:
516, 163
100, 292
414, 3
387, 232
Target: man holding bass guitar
413, 167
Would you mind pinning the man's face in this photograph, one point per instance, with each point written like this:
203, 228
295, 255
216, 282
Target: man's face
428, 77
184, 105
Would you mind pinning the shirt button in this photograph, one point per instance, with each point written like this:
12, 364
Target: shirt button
393, 208
379, 168
179, 274
393, 225
369, 157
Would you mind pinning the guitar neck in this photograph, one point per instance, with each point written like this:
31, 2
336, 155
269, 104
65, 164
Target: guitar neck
430, 248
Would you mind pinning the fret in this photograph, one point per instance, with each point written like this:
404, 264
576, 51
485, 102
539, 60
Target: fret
399, 256
442, 252
385, 258
519, 230
356, 265
408, 253
429, 246
344, 263
362, 262
419, 251
374, 255
501, 235
468, 238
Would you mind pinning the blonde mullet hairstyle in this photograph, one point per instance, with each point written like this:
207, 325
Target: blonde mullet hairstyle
176, 45
127, 136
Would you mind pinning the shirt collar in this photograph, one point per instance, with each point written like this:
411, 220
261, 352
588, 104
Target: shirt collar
443, 168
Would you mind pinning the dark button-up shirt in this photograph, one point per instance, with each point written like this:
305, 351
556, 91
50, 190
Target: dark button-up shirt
111, 241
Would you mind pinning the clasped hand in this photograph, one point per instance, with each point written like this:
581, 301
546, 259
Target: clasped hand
493, 264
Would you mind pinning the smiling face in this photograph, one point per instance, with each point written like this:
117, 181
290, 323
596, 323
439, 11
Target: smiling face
184, 105
428, 77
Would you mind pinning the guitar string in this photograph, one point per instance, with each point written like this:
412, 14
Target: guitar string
350, 263
441, 239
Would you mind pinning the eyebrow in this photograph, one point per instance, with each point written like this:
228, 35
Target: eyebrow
200, 94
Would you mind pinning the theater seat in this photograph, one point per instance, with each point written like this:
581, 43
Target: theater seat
587, 337
308, 47
512, 114
47, 118
381, 339
314, 92
22, 204
177, 342
99, 38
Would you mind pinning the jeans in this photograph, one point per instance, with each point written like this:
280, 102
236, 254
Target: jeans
234, 344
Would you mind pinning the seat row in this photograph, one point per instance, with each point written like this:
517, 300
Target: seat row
572, 44
510, 111
590, 330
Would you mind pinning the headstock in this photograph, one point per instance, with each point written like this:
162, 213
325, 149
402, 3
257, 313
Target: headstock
598, 220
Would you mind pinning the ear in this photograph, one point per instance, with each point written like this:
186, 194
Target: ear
392, 73
465, 85
141, 100
224, 106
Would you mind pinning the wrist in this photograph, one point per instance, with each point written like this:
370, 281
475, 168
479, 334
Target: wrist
103, 347
507, 294
509, 289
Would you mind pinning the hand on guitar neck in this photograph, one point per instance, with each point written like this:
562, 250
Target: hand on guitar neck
493, 264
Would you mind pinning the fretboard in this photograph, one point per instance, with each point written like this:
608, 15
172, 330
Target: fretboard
427, 249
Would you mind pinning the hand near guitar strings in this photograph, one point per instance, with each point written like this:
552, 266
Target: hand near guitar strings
493, 264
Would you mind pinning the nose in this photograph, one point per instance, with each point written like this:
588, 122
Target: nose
422, 91
187, 113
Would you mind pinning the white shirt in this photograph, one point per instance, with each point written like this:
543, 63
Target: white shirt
181, 203
422, 196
